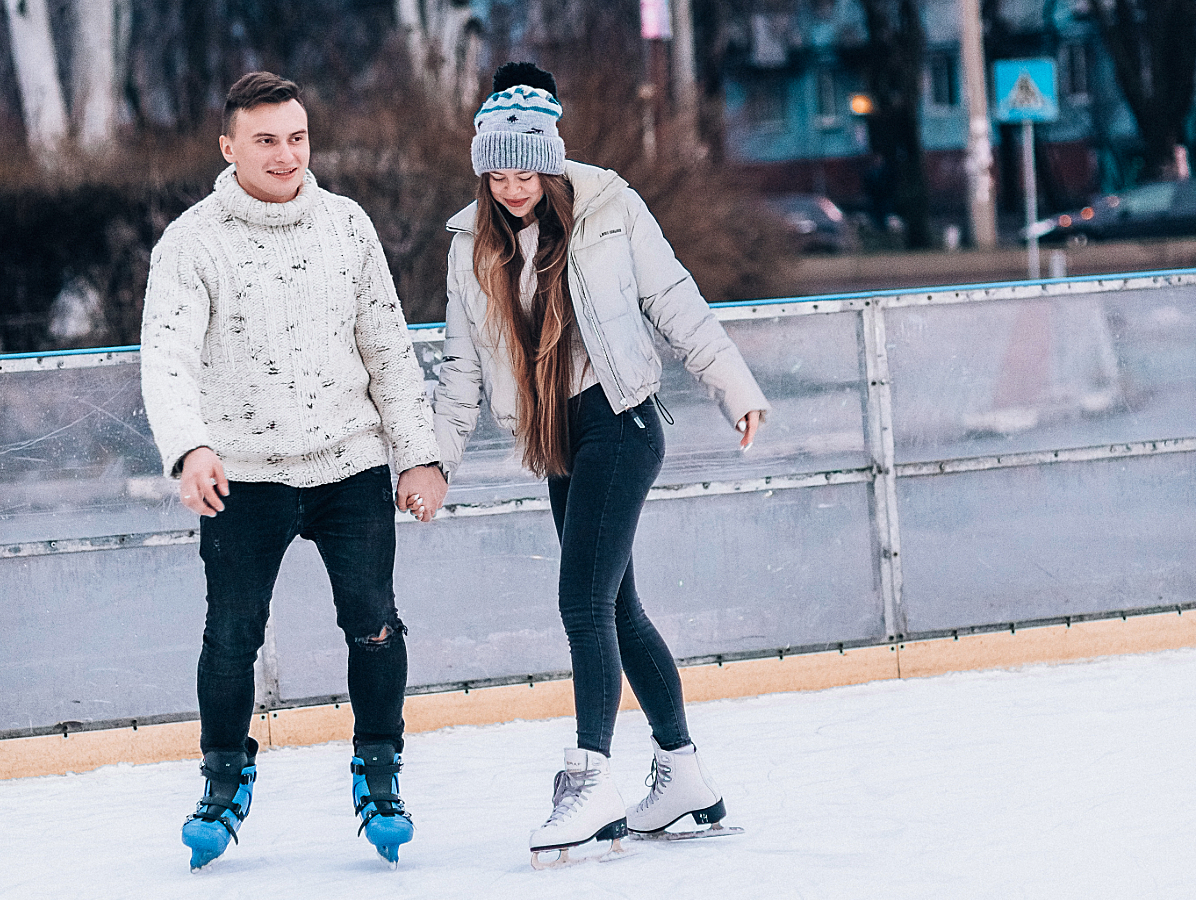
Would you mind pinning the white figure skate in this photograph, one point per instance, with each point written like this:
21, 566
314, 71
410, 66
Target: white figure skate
680, 785
587, 807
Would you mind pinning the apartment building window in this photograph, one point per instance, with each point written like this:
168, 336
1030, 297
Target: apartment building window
827, 110
766, 100
943, 79
1074, 66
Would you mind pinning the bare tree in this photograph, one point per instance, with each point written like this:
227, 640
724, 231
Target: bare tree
95, 81
1153, 47
895, 65
710, 20
98, 32
444, 40
42, 105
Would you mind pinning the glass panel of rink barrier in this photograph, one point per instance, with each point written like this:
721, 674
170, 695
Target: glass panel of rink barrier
77, 461
976, 379
747, 567
809, 368
89, 637
721, 574
77, 458
1036, 542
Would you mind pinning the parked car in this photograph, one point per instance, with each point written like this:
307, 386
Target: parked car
814, 221
1159, 209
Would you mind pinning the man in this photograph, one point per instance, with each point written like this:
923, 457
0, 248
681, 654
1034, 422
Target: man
278, 375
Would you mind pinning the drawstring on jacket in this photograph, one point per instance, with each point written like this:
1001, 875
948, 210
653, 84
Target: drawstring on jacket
663, 410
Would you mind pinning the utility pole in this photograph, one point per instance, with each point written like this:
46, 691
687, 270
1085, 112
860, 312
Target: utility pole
981, 197
656, 31
683, 66
1029, 177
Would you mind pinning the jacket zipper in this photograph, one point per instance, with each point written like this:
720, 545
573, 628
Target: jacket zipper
591, 313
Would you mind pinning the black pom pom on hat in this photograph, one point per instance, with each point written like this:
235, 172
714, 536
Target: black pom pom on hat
526, 73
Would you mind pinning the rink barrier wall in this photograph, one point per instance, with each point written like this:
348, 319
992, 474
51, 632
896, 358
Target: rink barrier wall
953, 505
83, 751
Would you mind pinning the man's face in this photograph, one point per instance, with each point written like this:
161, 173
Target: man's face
269, 146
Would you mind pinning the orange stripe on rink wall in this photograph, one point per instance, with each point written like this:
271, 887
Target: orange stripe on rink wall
803, 672
87, 750
83, 751
1049, 644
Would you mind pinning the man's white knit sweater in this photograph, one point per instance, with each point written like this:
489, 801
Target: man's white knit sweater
272, 333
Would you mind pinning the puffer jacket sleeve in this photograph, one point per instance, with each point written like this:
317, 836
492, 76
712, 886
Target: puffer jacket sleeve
670, 299
460, 381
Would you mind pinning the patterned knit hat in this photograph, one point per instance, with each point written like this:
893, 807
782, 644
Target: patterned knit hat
516, 128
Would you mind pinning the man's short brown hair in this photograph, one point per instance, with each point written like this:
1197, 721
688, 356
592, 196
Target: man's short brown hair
254, 89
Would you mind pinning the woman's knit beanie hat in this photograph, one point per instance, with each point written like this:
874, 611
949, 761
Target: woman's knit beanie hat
516, 128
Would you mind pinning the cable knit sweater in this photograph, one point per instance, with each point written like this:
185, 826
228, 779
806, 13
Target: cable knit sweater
272, 333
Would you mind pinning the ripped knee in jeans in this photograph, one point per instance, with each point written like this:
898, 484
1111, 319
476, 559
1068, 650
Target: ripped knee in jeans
384, 638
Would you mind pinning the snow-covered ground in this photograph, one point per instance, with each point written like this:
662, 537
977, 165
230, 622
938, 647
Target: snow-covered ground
1069, 781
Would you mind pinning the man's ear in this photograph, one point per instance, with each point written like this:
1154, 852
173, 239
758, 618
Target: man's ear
226, 148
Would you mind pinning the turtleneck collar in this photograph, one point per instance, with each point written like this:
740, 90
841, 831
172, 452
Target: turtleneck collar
258, 212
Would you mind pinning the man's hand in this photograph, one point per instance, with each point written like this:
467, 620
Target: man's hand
420, 491
202, 482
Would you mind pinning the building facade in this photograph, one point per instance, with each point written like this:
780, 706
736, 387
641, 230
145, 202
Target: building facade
795, 74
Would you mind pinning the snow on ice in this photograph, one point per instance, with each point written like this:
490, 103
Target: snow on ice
1056, 782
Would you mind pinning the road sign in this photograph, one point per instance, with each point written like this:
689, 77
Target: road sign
1026, 90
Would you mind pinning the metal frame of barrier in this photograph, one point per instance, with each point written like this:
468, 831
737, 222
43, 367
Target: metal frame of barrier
880, 476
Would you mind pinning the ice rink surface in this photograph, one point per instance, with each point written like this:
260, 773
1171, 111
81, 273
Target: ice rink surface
1056, 782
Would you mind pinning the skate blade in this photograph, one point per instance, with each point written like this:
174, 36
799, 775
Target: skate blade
564, 859
714, 830
392, 862
206, 866
389, 853
202, 862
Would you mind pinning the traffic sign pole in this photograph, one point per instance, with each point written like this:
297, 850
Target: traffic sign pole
1030, 178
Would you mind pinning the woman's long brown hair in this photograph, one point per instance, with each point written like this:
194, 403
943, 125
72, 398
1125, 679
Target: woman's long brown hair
538, 339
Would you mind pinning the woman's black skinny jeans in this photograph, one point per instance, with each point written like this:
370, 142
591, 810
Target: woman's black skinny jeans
596, 510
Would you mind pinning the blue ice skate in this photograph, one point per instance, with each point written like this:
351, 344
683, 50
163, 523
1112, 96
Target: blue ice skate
376, 771
226, 801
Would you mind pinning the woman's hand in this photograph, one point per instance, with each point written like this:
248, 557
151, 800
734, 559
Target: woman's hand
420, 491
748, 425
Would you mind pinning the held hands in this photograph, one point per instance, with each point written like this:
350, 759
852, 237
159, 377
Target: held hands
420, 491
202, 482
748, 425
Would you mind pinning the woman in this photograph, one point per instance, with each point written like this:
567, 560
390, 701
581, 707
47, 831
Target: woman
556, 274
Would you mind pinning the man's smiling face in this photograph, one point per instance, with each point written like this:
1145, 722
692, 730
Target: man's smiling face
269, 146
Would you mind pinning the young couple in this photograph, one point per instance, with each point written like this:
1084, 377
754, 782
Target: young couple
279, 378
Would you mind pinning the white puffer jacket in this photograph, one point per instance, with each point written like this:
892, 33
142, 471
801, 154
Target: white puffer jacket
624, 279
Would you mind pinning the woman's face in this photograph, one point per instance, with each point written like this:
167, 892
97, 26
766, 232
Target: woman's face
518, 190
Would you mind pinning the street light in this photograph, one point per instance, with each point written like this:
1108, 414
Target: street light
862, 104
